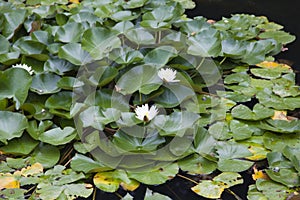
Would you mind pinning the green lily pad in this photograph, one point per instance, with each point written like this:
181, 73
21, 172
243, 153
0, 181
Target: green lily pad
196, 164
209, 189
45, 154
85, 164
277, 142
266, 73
176, 123
21, 80
58, 136
99, 41
281, 126
74, 53
259, 112
70, 32
220, 131
234, 165
279, 36
160, 56
146, 80
240, 130
45, 83
157, 175
12, 125
58, 66
20, 146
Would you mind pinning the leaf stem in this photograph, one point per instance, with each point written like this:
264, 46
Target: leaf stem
223, 60
235, 195
186, 178
94, 193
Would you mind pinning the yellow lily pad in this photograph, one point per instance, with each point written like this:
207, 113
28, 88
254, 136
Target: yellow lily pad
8, 181
274, 65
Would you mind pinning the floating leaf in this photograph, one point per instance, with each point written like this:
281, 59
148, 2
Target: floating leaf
240, 130
85, 164
58, 136
140, 36
274, 65
108, 181
58, 66
19, 89
99, 41
277, 142
160, 55
157, 175
8, 181
266, 73
176, 123
209, 189
70, 32
34, 169
281, 126
4, 45
197, 164
279, 36
146, 80
11, 21
205, 44
12, 125
45, 154
259, 112
74, 53
20, 146
45, 83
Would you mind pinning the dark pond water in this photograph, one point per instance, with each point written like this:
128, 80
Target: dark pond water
284, 12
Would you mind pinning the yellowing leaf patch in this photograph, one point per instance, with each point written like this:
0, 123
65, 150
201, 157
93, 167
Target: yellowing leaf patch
259, 174
273, 65
31, 170
8, 181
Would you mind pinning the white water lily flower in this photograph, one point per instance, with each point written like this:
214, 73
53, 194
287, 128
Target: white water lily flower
167, 75
144, 113
24, 66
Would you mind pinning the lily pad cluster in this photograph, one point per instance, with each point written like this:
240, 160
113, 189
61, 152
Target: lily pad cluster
120, 93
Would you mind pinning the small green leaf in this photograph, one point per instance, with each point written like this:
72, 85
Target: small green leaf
45, 83
259, 112
146, 80
160, 56
4, 48
11, 21
21, 80
197, 164
140, 36
12, 125
233, 165
279, 36
74, 53
85, 164
45, 154
99, 42
58, 66
157, 175
58, 136
70, 32
209, 189
20, 146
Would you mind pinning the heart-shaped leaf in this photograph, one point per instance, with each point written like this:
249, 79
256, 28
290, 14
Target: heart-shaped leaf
12, 125
21, 80
99, 41
45, 83
58, 136
259, 112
